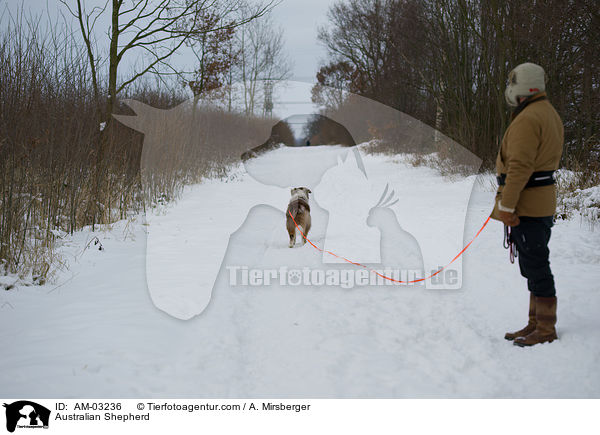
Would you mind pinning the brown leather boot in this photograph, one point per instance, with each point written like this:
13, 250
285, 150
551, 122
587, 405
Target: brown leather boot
530, 326
545, 315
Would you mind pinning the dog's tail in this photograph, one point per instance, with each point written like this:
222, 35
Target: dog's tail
297, 207
293, 209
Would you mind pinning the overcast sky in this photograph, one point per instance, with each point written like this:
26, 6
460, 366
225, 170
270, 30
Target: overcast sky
299, 19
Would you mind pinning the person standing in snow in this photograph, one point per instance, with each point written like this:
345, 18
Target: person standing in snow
526, 200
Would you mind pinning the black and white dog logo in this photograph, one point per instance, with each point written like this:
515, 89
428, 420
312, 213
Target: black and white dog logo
26, 414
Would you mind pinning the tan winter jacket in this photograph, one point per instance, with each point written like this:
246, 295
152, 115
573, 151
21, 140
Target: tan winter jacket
532, 142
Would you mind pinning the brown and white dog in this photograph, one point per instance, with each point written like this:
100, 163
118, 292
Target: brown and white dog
300, 210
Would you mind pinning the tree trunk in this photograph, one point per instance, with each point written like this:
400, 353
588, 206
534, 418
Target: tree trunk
113, 61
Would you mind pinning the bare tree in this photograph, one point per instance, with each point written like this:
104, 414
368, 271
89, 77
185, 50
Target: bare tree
261, 57
372, 44
215, 55
156, 28
333, 83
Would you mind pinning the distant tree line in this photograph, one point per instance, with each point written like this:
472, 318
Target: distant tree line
446, 62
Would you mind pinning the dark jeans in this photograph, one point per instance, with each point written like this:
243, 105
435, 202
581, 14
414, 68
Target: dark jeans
531, 237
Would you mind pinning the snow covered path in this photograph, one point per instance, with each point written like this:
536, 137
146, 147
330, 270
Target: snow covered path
97, 333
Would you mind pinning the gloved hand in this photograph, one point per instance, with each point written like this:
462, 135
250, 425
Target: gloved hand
509, 219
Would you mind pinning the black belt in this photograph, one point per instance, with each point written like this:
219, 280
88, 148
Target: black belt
537, 179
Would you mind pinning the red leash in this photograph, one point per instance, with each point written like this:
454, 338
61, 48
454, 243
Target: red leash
387, 277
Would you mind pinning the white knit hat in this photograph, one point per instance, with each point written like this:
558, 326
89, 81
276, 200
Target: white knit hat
526, 79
